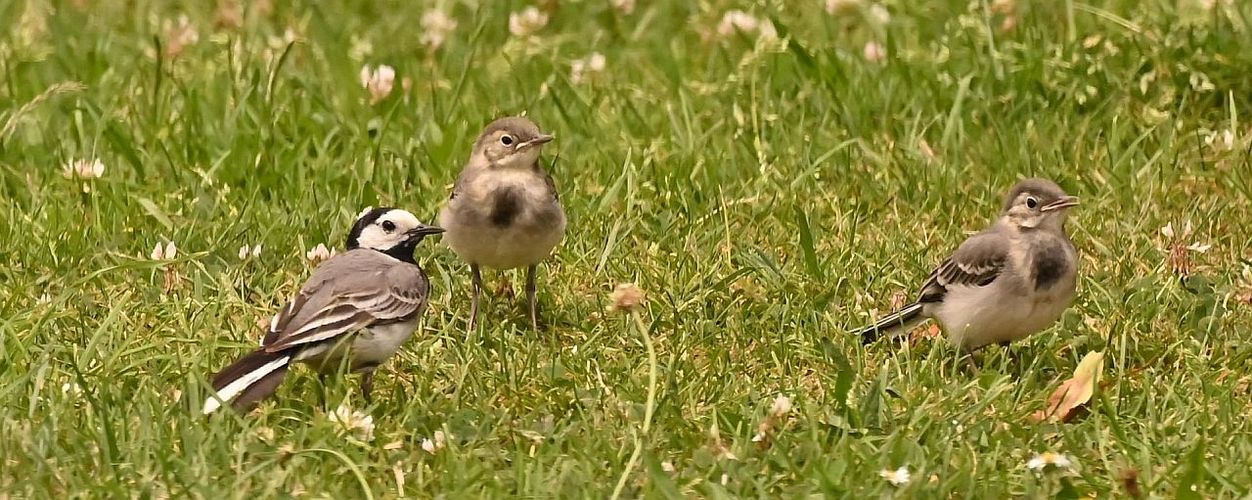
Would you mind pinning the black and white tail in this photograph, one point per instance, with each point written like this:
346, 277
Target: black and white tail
250, 379
894, 324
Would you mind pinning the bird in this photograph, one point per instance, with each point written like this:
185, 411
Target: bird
355, 310
504, 211
1008, 282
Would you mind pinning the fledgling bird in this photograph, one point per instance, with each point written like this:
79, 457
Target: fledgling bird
356, 310
504, 211
1006, 283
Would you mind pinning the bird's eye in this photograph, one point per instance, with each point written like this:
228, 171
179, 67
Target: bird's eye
506, 140
1031, 202
389, 226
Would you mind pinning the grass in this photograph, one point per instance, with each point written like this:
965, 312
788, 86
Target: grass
769, 198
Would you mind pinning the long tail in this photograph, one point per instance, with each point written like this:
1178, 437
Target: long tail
250, 379
894, 324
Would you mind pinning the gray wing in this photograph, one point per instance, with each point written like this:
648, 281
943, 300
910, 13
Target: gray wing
346, 293
977, 262
547, 179
467, 175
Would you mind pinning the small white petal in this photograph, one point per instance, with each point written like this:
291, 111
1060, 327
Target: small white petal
1042, 460
386, 74
782, 405
879, 14
1168, 230
1199, 247
525, 23
624, 6
874, 51
898, 477
596, 62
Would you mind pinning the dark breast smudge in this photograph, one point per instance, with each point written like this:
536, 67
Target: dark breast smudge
505, 208
1049, 265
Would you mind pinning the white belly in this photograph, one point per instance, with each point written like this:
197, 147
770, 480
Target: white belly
481, 242
974, 317
363, 349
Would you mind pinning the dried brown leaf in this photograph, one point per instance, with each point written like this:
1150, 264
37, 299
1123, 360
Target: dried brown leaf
1065, 402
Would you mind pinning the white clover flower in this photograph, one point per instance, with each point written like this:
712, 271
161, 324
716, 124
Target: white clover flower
379, 82
582, 69
625, 7
246, 251
436, 26
319, 253
168, 252
1220, 141
898, 477
71, 389
1168, 231
742, 22
525, 23
874, 52
435, 443
179, 36
842, 7
83, 169
360, 424
782, 406
1043, 460
1199, 247
879, 14
626, 297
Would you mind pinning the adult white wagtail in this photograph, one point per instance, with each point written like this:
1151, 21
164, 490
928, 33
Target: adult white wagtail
356, 310
1003, 284
504, 211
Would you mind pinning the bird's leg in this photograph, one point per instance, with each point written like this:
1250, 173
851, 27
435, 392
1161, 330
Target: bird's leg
971, 364
367, 386
477, 278
531, 298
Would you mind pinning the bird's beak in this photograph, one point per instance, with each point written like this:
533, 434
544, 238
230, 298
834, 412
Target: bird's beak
1064, 202
540, 139
424, 230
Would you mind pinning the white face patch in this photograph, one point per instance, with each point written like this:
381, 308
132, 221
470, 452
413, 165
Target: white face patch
520, 159
388, 231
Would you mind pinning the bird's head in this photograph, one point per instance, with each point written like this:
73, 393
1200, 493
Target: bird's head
511, 142
389, 230
1037, 203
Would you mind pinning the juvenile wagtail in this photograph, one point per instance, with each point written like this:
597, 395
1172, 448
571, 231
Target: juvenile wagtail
504, 211
356, 310
1003, 284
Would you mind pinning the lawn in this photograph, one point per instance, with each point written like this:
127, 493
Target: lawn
771, 179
